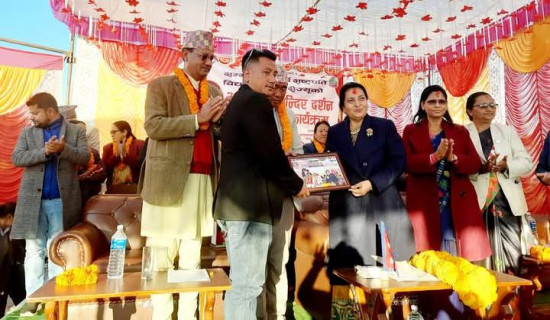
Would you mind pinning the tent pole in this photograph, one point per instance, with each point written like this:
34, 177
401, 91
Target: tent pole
70, 59
32, 45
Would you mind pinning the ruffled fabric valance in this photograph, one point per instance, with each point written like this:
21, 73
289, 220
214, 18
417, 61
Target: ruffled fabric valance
457, 105
526, 51
138, 65
460, 75
385, 89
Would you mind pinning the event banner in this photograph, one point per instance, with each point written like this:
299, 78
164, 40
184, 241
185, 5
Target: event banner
312, 97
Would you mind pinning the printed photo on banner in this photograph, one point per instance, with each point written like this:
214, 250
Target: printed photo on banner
321, 171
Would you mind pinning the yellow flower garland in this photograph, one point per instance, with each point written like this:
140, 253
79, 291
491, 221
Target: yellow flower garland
320, 147
126, 146
194, 107
286, 141
540, 253
77, 276
475, 285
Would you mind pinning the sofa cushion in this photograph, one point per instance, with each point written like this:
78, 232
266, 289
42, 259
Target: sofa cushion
107, 211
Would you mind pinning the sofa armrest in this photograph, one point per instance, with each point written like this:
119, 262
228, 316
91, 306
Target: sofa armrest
78, 246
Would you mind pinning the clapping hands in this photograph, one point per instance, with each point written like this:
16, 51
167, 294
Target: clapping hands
445, 150
492, 165
54, 145
213, 109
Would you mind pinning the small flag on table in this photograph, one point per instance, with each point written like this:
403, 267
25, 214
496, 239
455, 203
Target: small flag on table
387, 252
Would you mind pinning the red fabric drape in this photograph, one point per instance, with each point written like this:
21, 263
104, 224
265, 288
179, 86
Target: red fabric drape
10, 176
460, 75
528, 111
139, 64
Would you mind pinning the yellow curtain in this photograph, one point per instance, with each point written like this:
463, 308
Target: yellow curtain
17, 85
457, 105
526, 51
385, 89
118, 100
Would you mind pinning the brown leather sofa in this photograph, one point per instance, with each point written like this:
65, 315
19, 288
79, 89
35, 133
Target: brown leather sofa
310, 237
88, 242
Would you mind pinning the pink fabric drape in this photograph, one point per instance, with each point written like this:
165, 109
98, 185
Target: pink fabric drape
139, 64
11, 125
528, 111
401, 114
25, 59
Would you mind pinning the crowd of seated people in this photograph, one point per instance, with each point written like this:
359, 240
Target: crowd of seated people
464, 193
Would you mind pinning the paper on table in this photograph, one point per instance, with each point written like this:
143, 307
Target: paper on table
197, 275
372, 272
406, 272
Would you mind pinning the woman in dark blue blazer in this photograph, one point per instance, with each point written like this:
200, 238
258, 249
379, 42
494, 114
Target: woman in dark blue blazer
373, 156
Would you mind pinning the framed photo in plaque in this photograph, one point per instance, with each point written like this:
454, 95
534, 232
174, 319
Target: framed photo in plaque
321, 171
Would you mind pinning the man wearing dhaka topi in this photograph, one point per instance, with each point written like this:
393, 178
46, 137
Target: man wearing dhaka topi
182, 117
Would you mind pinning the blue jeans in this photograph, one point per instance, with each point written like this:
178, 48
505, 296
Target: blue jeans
50, 223
247, 245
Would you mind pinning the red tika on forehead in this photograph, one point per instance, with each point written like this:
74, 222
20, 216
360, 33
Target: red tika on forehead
438, 94
354, 90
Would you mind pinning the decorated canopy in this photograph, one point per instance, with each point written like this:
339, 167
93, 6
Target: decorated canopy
346, 33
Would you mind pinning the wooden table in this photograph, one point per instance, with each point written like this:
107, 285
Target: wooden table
131, 285
538, 272
384, 292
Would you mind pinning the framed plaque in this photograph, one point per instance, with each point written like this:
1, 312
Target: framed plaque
321, 171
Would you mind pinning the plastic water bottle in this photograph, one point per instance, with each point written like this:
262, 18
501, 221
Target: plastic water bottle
414, 314
115, 268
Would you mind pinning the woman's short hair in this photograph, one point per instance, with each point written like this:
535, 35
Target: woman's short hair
345, 88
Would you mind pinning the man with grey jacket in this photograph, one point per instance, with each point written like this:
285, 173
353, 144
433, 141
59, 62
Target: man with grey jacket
49, 195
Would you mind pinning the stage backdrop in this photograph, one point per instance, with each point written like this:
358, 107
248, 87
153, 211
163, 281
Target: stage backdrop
312, 97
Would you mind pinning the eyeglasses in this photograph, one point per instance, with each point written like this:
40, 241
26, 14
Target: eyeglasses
114, 131
204, 56
484, 106
433, 102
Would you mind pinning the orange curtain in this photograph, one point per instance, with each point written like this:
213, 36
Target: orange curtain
460, 75
17, 85
457, 105
139, 64
385, 89
526, 51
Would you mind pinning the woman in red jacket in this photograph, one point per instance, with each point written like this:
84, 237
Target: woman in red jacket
121, 158
441, 200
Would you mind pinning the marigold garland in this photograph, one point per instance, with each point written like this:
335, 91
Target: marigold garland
77, 276
195, 103
540, 253
126, 146
286, 141
320, 147
475, 285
